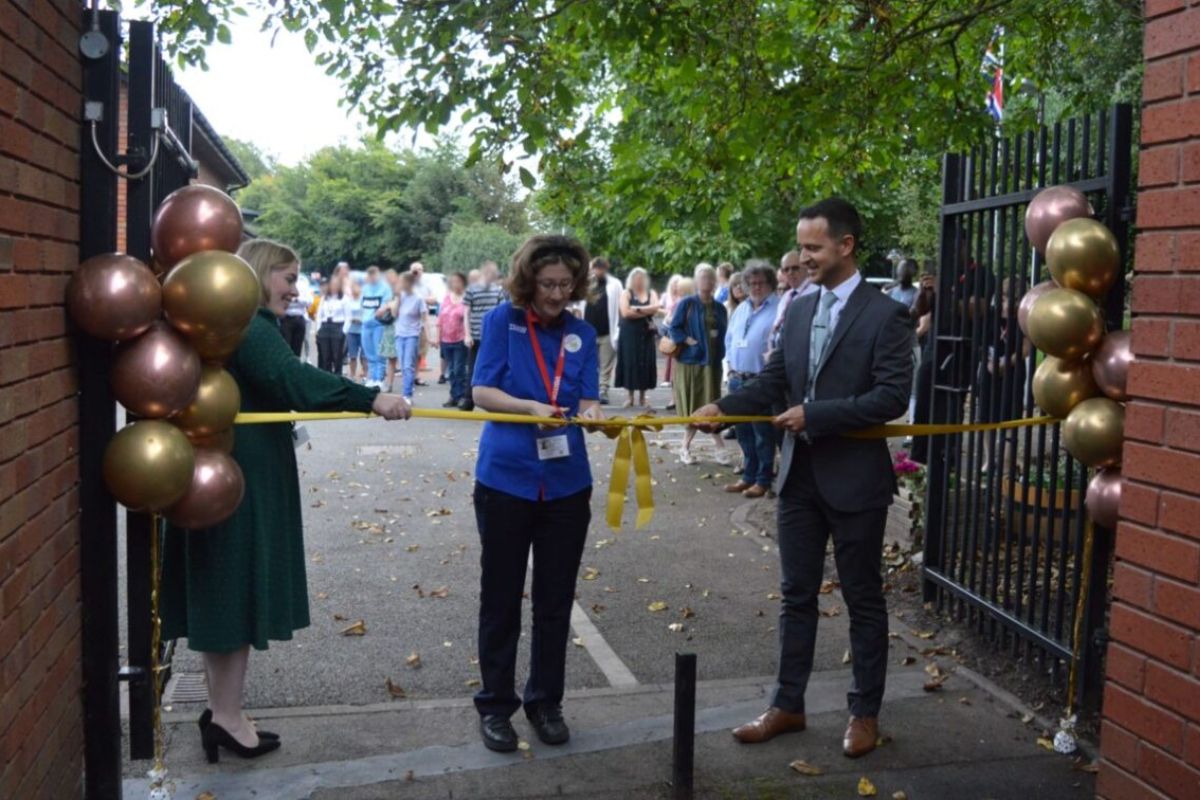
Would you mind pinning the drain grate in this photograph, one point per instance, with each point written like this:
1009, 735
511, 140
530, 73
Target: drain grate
186, 687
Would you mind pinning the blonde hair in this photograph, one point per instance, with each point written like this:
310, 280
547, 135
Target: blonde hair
633, 273
264, 257
704, 268
685, 287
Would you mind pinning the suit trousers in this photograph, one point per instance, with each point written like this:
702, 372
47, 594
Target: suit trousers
508, 527
806, 522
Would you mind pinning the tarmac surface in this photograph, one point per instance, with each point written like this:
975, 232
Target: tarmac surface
391, 539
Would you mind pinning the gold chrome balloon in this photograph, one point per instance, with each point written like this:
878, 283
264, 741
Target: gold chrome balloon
215, 349
148, 465
222, 440
1083, 255
1094, 432
1027, 301
215, 493
1110, 364
211, 294
216, 404
1103, 498
1051, 207
194, 219
157, 374
1066, 324
1059, 386
113, 296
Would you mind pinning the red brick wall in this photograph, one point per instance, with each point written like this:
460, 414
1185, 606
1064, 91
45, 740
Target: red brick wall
1150, 736
41, 740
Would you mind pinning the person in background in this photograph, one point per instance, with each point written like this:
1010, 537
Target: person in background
422, 289
795, 283
479, 300
331, 324
411, 313
242, 583
294, 322
310, 319
376, 295
387, 342
474, 277
724, 273
904, 291
637, 358
533, 483
602, 311
699, 324
669, 299
737, 293
356, 364
451, 322
745, 348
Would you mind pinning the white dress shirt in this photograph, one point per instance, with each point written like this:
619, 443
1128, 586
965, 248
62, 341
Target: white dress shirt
843, 291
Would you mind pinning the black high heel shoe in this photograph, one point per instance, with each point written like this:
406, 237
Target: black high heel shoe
214, 737
206, 718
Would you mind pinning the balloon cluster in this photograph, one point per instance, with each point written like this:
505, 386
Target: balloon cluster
1083, 376
171, 341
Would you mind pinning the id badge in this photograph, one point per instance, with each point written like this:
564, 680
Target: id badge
300, 436
553, 446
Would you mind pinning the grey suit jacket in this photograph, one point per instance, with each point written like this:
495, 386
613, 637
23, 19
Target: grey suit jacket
865, 379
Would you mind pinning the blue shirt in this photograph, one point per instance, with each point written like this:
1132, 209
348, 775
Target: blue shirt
508, 460
374, 295
902, 295
408, 318
749, 333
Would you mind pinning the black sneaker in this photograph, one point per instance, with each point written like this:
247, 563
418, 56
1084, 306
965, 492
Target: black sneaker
498, 733
604, 399
442, 379
548, 722
451, 404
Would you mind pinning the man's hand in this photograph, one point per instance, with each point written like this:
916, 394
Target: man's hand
710, 410
791, 420
391, 406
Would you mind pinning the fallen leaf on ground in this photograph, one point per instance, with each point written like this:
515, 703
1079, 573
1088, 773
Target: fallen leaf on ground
413, 661
1027, 718
923, 634
410, 776
597, 608
412, 548
901, 795
441, 592
828, 586
395, 690
965, 701
908, 661
675, 627
832, 611
523, 745
866, 788
438, 512
805, 768
882, 740
1083, 765
473, 683
322, 595
772, 595
206, 796
1048, 744
657, 605
340, 617
643, 580
590, 573
358, 628
417, 588
846, 657
687, 612
577, 641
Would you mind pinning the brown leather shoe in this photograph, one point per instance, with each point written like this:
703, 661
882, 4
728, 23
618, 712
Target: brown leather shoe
769, 725
755, 491
735, 488
861, 734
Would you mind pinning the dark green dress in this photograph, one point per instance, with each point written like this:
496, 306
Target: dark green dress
243, 581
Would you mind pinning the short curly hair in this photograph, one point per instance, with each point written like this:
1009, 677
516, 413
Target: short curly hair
539, 252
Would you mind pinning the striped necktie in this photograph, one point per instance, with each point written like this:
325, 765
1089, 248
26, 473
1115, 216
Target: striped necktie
819, 339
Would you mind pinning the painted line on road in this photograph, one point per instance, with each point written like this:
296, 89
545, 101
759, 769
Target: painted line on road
615, 672
826, 693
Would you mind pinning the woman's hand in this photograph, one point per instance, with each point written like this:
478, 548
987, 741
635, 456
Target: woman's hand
391, 406
591, 412
536, 409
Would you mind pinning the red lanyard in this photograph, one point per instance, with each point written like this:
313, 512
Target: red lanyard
551, 389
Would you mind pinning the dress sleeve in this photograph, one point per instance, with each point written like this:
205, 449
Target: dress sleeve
492, 360
270, 371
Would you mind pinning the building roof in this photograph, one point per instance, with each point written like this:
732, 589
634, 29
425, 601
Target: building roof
207, 146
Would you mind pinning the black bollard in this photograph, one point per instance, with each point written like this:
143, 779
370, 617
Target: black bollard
685, 725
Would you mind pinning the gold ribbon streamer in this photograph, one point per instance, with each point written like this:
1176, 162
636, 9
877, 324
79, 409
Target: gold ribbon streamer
631, 442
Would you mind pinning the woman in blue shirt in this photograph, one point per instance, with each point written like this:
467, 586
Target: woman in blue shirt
533, 483
376, 293
410, 311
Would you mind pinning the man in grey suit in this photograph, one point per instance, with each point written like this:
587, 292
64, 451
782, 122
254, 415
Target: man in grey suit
843, 364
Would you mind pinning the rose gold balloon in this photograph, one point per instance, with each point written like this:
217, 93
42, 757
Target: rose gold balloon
148, 465
1059, 386
215, 493
1082, 254
193, 219
1027, 302
211, 294
1110, 364
223, 440
113, 296
1051, 207
1094, 432
216, 403
157, 374
1104, 498
1066, 324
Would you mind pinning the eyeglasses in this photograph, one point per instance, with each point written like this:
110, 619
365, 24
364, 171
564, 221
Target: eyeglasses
550, 286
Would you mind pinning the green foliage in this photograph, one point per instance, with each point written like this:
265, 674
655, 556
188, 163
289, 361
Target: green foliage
677, 130
253, 159
370, 205
469, 244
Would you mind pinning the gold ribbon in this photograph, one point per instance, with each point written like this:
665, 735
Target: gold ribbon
631, 442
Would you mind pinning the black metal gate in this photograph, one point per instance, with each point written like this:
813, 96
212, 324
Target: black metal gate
1005, 520
157, 161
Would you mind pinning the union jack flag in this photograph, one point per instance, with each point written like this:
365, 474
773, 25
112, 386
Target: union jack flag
993, 69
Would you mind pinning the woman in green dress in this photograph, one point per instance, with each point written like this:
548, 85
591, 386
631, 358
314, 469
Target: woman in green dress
243, 582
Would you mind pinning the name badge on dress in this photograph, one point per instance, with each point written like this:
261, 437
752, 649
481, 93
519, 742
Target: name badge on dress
553, 446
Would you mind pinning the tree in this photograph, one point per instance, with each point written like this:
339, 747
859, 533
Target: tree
469, 244
676, 130
255, 161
